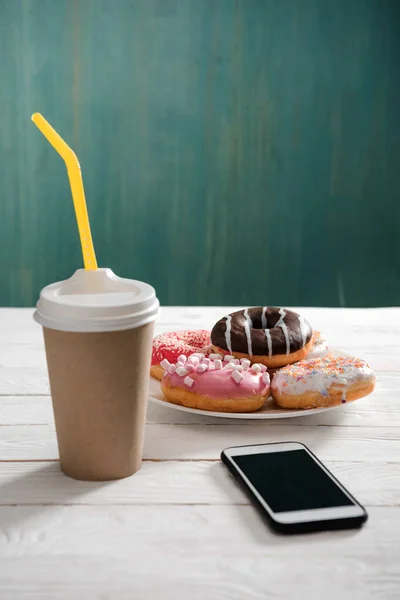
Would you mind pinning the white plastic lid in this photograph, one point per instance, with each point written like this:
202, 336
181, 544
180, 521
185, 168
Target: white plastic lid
93, 301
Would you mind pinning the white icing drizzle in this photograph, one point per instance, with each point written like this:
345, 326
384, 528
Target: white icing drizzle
281, 323
264, 323
269, 342
302, 330
247, 326
228, 333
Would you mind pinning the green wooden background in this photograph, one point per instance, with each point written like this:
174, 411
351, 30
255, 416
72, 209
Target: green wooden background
233, 152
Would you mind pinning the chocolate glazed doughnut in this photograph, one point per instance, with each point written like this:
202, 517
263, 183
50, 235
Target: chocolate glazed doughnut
272, 336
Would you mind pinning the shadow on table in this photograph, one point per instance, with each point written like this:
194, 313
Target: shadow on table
41, 489
252, 519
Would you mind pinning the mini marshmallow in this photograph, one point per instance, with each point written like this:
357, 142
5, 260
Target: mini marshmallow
237, 368
218, 364
215, 357
256, 368
180, 364
263, 368
190, 367
228, 366
229, 357
201, 368
188, 381
182, 358
205, 361
211, 366
181, 371
193, 360
237, 376
245, 363
265, 377
199, 355
171, 369
165, 364
236, 361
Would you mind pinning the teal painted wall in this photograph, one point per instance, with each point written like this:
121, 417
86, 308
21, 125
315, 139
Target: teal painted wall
233, 152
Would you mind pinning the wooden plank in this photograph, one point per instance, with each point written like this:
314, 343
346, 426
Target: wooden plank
176, 482
16, 355
33, 381
382, 409
26, 410
370, 322
183, 442
18, 319
29, 353
370, 333
23, 366
25, 381
224, 552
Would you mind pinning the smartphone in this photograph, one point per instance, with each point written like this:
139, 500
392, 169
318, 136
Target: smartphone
294, 490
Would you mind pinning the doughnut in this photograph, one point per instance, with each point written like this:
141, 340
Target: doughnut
274, 337
322, 382
214, 384
319, 347
174, 344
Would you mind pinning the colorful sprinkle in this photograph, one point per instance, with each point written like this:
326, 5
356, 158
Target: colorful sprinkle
330, 367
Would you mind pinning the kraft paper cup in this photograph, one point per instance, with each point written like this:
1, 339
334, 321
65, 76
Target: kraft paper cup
98, 332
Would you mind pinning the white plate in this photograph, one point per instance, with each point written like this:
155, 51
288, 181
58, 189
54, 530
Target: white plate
268, 411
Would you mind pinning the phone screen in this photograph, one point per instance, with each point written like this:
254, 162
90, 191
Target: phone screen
291, 481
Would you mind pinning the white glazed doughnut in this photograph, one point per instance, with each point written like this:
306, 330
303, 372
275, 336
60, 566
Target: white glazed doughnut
319, 347
322, 382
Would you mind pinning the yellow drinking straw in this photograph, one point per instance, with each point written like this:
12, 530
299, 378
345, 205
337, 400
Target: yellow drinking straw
76, 183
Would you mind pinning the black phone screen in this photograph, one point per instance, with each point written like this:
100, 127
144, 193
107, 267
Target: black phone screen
291, 480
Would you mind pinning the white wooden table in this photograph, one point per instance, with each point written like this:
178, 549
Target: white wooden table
180, 528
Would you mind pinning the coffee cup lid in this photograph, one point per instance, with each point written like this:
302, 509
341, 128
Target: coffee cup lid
98, 300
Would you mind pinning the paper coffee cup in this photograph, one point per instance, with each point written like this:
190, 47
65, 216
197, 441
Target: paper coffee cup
98, 332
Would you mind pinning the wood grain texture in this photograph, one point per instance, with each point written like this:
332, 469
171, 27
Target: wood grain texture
232, 151
221, 552
371, 333
380, 410
181, 528
194, 442
175, 482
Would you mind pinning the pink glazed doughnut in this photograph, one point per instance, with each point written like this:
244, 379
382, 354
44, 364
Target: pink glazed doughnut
214, 384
